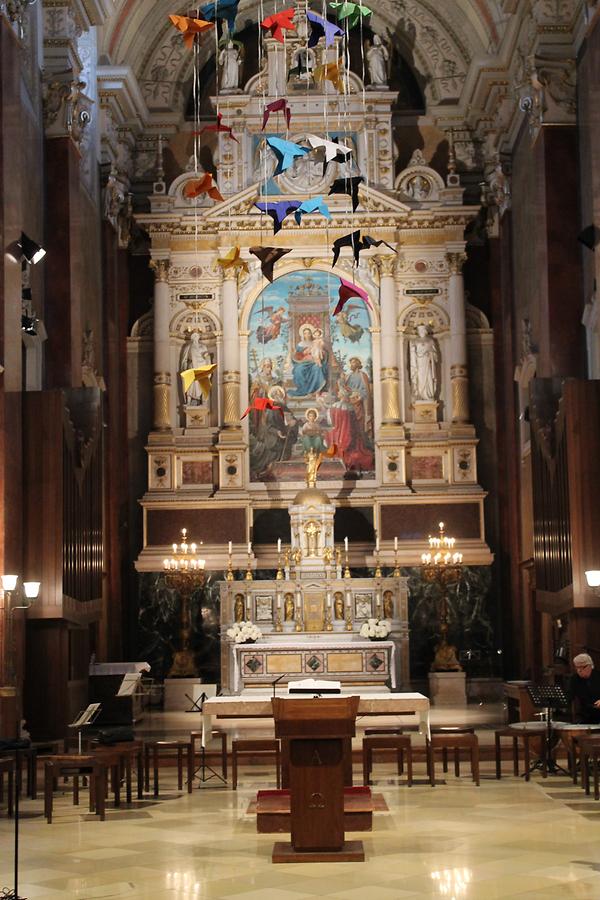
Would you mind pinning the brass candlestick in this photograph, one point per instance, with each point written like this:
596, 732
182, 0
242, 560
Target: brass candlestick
328, 622
279, 575
249, 569
396, 571
347, 567
229, 573
348, 618
377, 565
298, 626
278, 622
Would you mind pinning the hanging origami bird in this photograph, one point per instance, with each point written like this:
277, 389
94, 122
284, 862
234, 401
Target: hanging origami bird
276, 23
218, 126
357, 243
203, 375
280, 105
333, 150
202, 185
347, 186
330, 72
278, 211
261, 403
286, 152
348, 290
190, 28
221, 9
268, 256
233, 260
368, 241
316, 205
354, 12
321, 27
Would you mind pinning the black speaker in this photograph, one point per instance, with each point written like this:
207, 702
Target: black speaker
589, 237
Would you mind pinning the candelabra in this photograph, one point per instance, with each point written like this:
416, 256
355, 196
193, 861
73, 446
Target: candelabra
442, 566
184, 572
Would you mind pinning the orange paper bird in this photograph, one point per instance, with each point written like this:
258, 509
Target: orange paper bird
203, 375
190, 28
261, 403
218, 126
202, 185
232, 260
276, 23
330, 72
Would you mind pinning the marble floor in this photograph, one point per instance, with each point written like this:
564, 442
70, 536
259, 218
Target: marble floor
504, 839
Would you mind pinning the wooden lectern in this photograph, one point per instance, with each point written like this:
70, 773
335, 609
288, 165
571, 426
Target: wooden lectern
316, 729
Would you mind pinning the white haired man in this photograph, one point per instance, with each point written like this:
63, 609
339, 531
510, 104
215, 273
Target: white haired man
584, 689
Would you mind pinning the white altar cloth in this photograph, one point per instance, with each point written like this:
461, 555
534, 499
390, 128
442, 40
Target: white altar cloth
256, 704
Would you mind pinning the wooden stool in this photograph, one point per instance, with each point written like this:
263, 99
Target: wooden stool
526, 732
450, 729
7, 767
215, 734
457, 741
125, 752
157, 749
251, 748
75, 766
589, 754
37, 751
398, 742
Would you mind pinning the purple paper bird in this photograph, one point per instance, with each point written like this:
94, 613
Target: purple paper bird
286, 152
321, 27
280, 105
316, 205
278, 211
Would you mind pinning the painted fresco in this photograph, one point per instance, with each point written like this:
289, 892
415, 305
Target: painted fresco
319, 370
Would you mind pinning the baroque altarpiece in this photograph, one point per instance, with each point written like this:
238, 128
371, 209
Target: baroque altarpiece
381, 389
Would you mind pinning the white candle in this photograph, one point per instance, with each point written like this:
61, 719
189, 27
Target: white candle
279, 545
395, 543
328, 599
346, 544
348, 600
248, 603
249, 547
376, 545
278, 601
229, 548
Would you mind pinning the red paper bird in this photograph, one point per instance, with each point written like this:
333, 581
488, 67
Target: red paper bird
190, 28
276, 23
348, 290
218, 127
260, 404
280, 105
202, 185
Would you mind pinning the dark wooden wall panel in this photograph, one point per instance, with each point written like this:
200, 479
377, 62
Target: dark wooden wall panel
415, 522
208, 524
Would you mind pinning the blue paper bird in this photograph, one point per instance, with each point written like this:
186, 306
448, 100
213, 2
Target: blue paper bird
316, 205
286, 152
221, 9
322, 27
278, 211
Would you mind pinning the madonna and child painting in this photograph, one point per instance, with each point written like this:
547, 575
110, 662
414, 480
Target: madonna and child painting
318, 369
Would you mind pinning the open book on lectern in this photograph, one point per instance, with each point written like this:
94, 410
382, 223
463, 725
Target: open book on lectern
86, 716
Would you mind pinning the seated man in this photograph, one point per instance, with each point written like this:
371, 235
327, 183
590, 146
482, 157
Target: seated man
584, 689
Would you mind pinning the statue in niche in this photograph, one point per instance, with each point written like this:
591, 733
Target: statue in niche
230, 60
424, 358
377, 57
418, 188
388, 605
238, 608
338, 605
288, 607
194, 355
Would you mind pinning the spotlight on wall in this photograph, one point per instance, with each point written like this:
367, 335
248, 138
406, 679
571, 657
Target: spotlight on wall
589, 237
25, 248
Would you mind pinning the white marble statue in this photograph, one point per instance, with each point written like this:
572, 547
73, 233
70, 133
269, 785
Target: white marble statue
230, 60
377, 57
424, 357
194, 354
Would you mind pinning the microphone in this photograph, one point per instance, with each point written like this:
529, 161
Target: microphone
277, 680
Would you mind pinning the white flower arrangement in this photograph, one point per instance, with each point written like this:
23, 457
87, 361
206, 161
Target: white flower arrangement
375, 628
242, 632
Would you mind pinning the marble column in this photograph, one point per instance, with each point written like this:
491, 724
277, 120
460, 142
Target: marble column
162, 367
458, 338
390, 406
231, 349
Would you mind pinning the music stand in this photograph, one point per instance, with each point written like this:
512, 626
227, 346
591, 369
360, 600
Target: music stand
84, 719
203, 768
548, 697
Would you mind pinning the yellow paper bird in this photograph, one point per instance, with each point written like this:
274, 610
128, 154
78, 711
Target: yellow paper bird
203, 375
330, 72
232, 260
190, 28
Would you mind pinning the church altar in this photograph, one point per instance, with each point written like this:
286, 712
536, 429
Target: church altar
359, 661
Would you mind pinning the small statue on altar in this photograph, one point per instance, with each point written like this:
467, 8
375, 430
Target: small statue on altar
338, 605
312, 459
445, 658
388, 605
238, 608
288, 607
